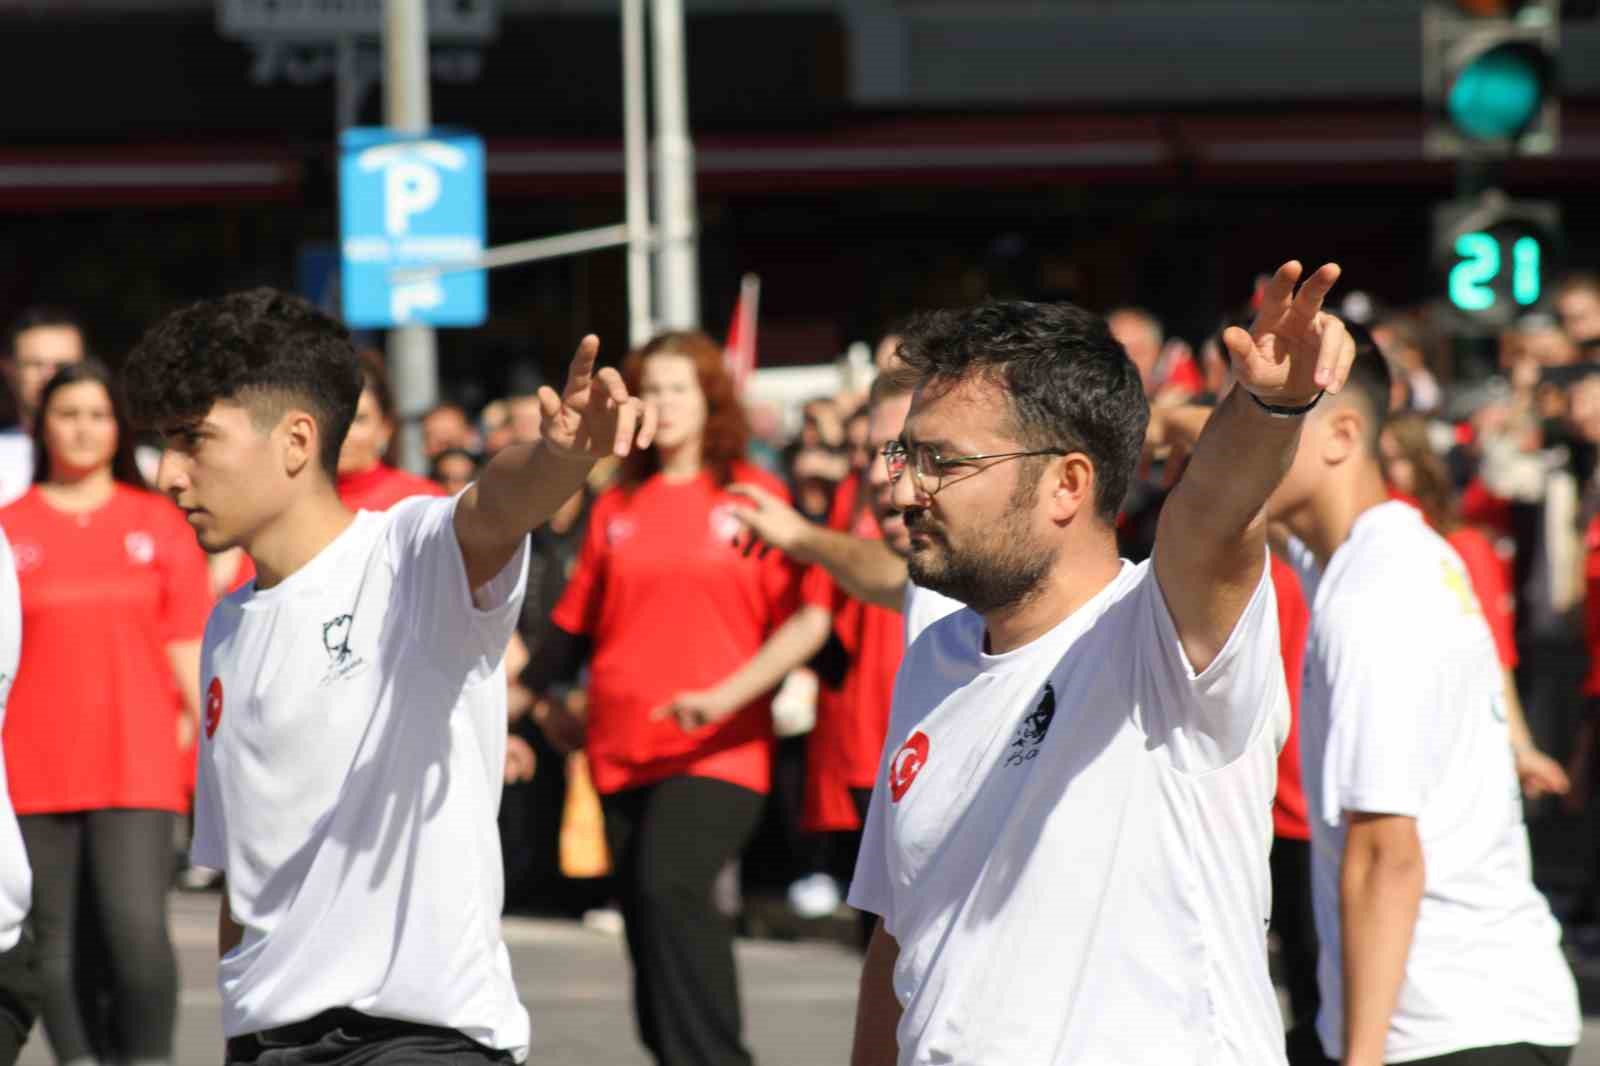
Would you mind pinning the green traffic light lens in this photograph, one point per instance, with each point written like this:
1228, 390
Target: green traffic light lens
1499, 94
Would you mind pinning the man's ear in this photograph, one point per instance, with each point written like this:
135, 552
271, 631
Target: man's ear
1069, 484
1344, 436
301, 441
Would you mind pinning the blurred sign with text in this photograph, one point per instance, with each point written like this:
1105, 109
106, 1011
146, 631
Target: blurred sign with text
321, 20
407, 203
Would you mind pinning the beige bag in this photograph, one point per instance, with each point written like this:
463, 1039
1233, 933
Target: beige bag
583, 827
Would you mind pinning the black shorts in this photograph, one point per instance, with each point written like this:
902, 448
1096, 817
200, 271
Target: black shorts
350, 1038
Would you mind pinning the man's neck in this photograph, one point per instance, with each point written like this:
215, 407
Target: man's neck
1078, 576
1327, 520
297, 536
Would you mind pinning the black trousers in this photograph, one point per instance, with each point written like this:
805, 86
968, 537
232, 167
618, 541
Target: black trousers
1305, 1049
349, 1038
19, 997
1294, 920
668, 841
128, 854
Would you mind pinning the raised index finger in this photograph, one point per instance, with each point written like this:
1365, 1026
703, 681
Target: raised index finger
581, 369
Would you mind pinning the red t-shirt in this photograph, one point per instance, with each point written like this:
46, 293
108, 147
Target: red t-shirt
1294, 622
1491, 580
846, 743
382, 487
672, 606
92, 719
1591, 605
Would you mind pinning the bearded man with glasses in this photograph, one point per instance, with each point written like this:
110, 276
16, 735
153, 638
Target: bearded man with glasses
1067, 842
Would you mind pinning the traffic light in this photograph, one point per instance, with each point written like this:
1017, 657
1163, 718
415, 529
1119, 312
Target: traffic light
1494, 258
1489, 77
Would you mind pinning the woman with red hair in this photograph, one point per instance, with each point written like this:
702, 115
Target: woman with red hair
671, 605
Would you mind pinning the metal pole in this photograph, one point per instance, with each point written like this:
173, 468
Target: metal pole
675, 207
413, 353
349, 84
636, 168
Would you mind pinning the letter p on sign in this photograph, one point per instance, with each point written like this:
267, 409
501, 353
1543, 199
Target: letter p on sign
410, 187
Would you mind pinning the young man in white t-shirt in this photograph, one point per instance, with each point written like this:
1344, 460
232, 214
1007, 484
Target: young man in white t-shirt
1067, 845
354, 734
1436, 947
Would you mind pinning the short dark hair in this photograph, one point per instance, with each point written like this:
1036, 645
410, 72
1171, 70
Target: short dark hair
262, 348
1068, 382
41, 318
1369, 379
124, 467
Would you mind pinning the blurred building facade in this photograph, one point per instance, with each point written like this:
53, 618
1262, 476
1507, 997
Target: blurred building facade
865, 156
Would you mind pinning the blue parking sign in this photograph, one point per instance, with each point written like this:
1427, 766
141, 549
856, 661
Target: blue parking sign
409, 201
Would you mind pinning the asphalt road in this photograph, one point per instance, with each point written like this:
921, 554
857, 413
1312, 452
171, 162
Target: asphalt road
799, 997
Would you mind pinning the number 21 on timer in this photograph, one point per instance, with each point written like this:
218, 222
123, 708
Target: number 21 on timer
1471, 279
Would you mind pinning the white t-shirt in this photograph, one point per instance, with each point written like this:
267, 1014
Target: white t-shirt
16, 879
1402, 712
351, 761
923, 607
16, 464
1069, 841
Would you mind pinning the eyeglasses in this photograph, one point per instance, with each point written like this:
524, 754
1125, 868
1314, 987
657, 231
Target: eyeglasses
928, 467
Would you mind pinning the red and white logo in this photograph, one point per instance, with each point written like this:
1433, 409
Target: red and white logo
907, 764
141, 547
620, 530
213, 706
725, 524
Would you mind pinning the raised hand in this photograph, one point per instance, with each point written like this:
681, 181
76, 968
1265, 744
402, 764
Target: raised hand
1293, 350
769, 519
593, 416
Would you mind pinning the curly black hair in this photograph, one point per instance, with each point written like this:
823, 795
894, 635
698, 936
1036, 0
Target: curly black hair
1069, 383
261, 348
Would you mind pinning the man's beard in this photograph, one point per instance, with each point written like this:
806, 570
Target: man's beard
1005, 571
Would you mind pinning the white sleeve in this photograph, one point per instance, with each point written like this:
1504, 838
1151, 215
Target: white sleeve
1381, 742
209, 846
870, 887
455, 624
1207, 720
16, 879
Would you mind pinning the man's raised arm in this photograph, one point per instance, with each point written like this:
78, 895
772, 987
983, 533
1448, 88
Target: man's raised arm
866, 569
525, 484
1211, 541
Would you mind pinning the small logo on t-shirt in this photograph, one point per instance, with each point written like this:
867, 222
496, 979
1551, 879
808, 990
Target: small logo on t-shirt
27, 554
141, 547
620, 529
1030, 734
725, 524
213, 706
908, 763
336, 642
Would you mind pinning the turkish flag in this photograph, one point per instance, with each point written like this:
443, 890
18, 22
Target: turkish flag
739, 354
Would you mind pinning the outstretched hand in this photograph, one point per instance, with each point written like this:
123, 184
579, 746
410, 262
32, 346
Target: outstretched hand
593, 416
1294, 350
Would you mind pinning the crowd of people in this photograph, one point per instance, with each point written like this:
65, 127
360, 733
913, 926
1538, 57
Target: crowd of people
700, 644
